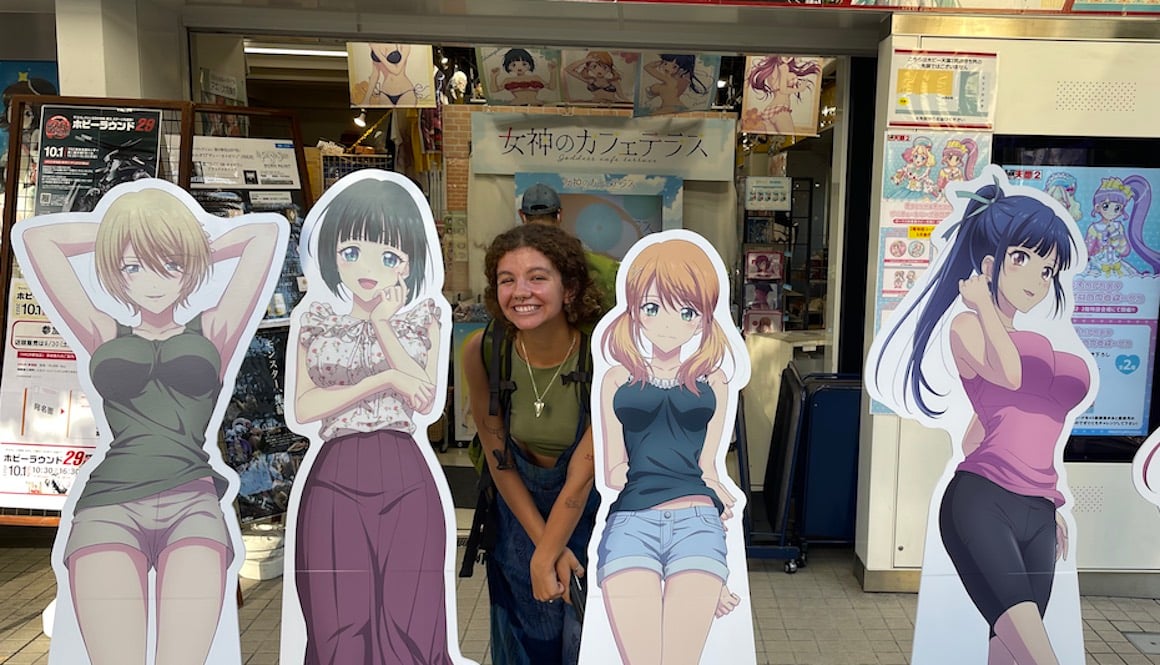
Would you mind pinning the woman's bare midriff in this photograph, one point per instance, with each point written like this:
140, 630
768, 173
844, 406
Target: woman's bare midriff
542, 461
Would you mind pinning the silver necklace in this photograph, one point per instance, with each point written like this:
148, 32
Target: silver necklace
539, 403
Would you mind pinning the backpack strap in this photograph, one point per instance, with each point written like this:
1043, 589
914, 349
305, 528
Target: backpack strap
496, 352
582, 375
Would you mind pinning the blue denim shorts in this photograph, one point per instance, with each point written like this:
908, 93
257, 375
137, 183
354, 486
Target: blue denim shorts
666, 542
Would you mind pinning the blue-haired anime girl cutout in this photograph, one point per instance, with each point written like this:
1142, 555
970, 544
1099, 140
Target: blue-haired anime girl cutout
984, 348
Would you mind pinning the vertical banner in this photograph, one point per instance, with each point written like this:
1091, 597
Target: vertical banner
983, 347
85, 151
391, 75
668, 83
781, 95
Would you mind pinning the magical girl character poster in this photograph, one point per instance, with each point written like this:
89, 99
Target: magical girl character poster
671, 583
371, 528
158, 300
984, 348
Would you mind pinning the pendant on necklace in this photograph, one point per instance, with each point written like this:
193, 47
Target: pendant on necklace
539, 404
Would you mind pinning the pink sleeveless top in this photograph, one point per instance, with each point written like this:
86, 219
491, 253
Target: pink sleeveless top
1022, 426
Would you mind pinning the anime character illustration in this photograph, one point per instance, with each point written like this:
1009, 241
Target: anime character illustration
1061, 187
521, 80
1108, 243
983, 347
958, 162
389, 84
677, 88
151, 295
1146, 469
598, 73
670, 562
371, 526
914, 174
776, 83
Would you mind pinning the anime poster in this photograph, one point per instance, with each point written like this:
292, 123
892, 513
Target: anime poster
158, 300
390, 75
919, 164
601, 78
371, 526
781, 95
668, 576
86, 151
223, 90
22, 78
668, 83
983, 347
258, 445
519, 76
1118, 291
943, 89
609, 213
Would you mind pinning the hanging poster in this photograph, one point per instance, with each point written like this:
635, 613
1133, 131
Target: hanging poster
602, 78
222, 90
943, 89
85, 151
1118, 291
690, 148
609, 213
22, 78
668, 83
984, 347
917, 166
519, 76
390, 75
781, 95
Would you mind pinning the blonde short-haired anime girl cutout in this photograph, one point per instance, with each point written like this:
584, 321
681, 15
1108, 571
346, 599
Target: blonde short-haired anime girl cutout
177, 294
670, 365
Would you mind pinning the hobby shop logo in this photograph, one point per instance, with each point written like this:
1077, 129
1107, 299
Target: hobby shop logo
57, 127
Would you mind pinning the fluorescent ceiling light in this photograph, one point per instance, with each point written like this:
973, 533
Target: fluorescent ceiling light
269, 50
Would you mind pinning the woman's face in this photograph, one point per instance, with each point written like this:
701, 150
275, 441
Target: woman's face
519, 68
151, 291
1110, 210
529, 288
368, 268
599, 70
1026, 277
953, 159
919, 154
668, 328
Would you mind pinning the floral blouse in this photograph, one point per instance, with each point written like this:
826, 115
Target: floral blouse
342, 350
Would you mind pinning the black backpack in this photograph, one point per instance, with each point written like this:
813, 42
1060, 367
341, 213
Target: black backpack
496, 352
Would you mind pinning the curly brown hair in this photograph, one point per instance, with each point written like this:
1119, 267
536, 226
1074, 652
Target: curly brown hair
567, 256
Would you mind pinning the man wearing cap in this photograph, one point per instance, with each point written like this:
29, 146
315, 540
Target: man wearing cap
541, 205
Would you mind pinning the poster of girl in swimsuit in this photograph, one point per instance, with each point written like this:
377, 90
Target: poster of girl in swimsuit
983, 347
519, 76
668, 83
158, 300
390, 75
671, 583
371, 530
781, 95
602, 78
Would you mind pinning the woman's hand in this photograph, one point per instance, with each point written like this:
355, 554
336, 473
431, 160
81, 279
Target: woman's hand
727, 602
976, 292
566, 566
1060, 537
416, 392
723, 496
546, 586
390, 300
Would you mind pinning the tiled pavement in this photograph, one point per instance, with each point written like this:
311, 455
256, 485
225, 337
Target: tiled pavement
819, 616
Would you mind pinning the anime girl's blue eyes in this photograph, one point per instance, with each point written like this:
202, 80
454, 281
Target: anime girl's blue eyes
391, 259
171, 267
349, 254
131, 268
650, 309
688, 314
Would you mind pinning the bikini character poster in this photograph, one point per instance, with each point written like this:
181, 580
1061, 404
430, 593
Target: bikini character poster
519, 75
391, 75
984, 347
158, 300
669, 581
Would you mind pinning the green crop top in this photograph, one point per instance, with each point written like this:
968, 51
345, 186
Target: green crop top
158, 398
555, 431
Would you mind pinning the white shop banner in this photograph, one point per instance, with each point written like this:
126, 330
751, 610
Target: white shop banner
692, 148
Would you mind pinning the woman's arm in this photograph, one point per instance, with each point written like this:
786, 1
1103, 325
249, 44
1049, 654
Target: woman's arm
980, 343
372, 82
313, 402
492, 435
397, 356
49, 248
495, 79
615, 453
714, 435
551, 563
254, 245
574, 70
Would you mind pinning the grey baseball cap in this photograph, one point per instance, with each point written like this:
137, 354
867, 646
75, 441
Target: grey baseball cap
540, 199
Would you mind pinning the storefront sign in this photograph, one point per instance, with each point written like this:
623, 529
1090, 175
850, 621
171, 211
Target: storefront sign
85, 151
222, 161
943, 89
694, 149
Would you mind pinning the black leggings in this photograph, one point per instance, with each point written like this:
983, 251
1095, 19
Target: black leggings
1001, 543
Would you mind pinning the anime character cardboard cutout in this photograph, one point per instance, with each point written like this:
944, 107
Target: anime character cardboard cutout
158, 300
1146, 469
670, 582
984, 348
371, 527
